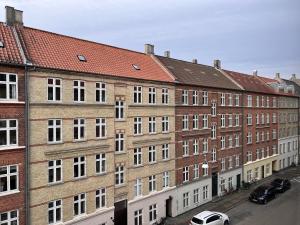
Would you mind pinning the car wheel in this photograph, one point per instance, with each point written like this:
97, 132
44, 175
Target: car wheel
226, 222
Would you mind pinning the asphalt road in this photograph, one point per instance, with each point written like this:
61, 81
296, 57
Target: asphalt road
284, 210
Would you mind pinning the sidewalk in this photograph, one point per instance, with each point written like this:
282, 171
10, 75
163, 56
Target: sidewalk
225, 203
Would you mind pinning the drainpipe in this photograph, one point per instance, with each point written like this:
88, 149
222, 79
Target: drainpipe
27, 156
243, 135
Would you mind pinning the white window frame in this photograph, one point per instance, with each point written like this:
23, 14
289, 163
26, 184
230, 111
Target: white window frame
80, 90
101, 94
152, 154
80, 133
8, 129
7, 84
120, 110
137, 126
120, 175
137, 94
138, 187
81, 160
8, 176
81, 199
56, 205
195, 98
56, 169
185, 97
55, 87
165, 96
100, 198
165, 124
137, 157
100, 163
119, 142
101, 128
165, 151
152, 95
152, 124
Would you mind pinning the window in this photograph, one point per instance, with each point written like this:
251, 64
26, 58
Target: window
213, 109
152, 125
257, 137
9, 218
100, 92
152, 95
274, 102
196, 195
257, 101
119, 142
196, 171
256, 172
213, 132
185, 148
138, 187
186, 200
137, 156
262, 136
222, 164
205, 192
262, 118
237, 100
137, 125
165, 124
230, 162
100, 163
268, 102
195, 98
78, 91
237, 160
54, 212
257, 119
222, 99
249, 100
8, 87
205, 145
237, 140
152, 183
214, 155
230, 142
223, 120
165, 96
205, 170
185, 122
196, 147
262, 101
54, 130
185, 97
230, 99
79, 203
185, 174
9, 179
230, 120
79, 169
8, 133
205, 98
137, 94
262, 153
205, 121
119, 174
222, 184
268, 118
274, 134
249, 119
119, 107
249, 138
54, 171
100, 128
79, 129
249, 175
166, 180
100, 198
138, 217
237, 120
274, 120
223, 142
152, 213
195, 122
249, 156
54, 89
152, 154
165, 151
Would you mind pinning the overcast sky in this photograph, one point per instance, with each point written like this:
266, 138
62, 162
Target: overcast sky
244, 34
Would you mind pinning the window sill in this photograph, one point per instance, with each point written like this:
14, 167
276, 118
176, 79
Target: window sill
11, 147
55, 143
55, 183
80, 178
120, 152
120, 120
120, 185
80, 140
9, 193
138, 166
11, 102
101, 173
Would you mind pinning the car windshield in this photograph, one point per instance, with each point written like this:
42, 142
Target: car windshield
197, 221
260, 190
276, 182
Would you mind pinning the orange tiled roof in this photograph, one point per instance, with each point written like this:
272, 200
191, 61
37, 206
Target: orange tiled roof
268, 80
10, 53
54, 51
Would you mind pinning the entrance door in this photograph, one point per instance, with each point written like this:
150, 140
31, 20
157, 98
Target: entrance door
120, 213
214, 177
238, 181
169, 207
262, 172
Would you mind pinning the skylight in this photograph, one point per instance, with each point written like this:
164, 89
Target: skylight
81, 58
1, 44
136, 67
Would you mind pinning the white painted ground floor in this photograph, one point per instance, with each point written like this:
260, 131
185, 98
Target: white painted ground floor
288, 152
229, 180
101, 217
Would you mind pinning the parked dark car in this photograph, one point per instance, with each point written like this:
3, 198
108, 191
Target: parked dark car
263, 194
281, 185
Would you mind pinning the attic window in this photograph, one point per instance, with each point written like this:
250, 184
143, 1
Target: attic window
1, 44
81, 58
136, 67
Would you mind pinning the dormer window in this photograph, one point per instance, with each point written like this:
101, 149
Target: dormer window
1, 44
136, 67
81, 58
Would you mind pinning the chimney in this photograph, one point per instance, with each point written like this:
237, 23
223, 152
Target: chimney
167, 54
13, 16
149, 49
277, 76
195, 61
255, 72
293, 77
217, 63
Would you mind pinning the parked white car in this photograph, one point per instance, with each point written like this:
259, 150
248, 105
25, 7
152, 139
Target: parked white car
210, 218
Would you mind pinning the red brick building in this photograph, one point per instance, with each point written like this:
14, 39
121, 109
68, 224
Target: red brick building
12, 129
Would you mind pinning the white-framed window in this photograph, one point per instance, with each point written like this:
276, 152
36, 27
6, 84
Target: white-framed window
249, 175
257, 136
152, 124
53, 89
230, 142
196, 195
100, 163
230, 162
237, 160
195, 98
257, 119
165, 96
274, 119
249, 100
222, 184
230, 120
237, 100
100, 92
205, 121
137, 94
78, 91
223, 145
262, 136
223, 123
249, 119
262, 153
186, 199
268, 118
54, 171
262, 101
152, 213
119, 109
79, 204
165, 124
152, 154
8, 87
138, 217
223, 99
213, 109
213, 131
195, 122
262, 118
119, 175
268, 102
119, 142
166, 179
205, 98
230, 103
237, 140
138, 187
137, 125
100, 127
9, 179
205, 171
152, 95
185, 148
185, 173
223, 164
79, 129
79, 167
137, 156
100, 198
196, 171
249, 138
274, 134
196, 146
165, 151
249, 156
237, 120
185, 97
268, 151
267, 136
205, 145
214, 155
8, 133
54, 212
152, 183
274, 102
257, 101
185, 122
9, 218
205, 192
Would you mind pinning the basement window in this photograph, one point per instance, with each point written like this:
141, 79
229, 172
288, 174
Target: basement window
136, 67
81, 58
1, 44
